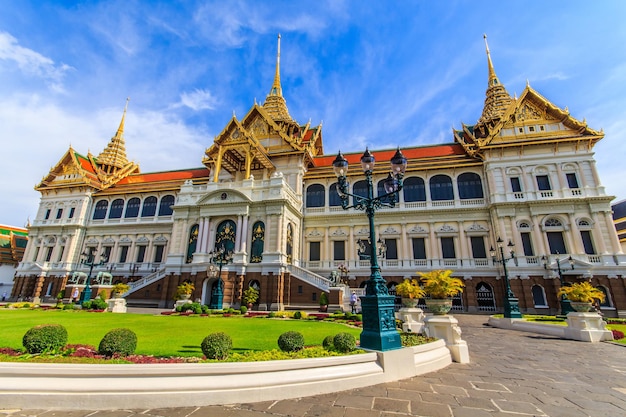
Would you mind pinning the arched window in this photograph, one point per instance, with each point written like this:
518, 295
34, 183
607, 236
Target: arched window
315, 195
414, 189
132, 208
193, 242
225, 236
258, 242
333, 197
165, 208
539, 296
470, 186
360, 189
149, 207
117, 206
607, 297
289, 248
100, 211
441, 188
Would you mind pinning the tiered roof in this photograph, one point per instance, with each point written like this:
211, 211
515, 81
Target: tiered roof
12, 244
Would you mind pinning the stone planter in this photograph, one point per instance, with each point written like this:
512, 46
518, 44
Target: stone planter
581, 307
439, 307
409, 302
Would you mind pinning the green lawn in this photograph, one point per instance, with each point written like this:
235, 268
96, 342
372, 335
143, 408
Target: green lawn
165, 335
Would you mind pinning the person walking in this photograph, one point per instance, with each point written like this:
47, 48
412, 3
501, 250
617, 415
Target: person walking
353, 301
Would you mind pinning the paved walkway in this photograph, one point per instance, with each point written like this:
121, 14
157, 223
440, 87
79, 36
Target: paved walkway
511, 373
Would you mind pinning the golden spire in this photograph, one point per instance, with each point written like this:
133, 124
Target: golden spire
275, 104
113, 157
497, 98
276, 88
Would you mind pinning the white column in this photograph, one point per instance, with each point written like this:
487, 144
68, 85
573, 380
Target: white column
598, 235
238, 234
612, 234
244, 234
201, 245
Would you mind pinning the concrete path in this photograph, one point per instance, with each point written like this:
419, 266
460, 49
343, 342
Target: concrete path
512, 374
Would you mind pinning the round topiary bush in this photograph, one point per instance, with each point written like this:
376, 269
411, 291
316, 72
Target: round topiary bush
344, 342
217, 346
328, 343
243, 309
291, 341
45, 338
297, 315
120, 341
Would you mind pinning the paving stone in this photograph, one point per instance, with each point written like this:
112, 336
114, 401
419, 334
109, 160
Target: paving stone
403, 394
354, 401
391, 404
449, 389
295, 408
359, 412
439, 398
481, 403
518, 407
423, 409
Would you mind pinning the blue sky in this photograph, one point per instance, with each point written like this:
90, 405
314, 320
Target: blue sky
379, 74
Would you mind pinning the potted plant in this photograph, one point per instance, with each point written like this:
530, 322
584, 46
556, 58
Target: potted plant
410, 291
582, 295
184, 290
119, 289
323, 302
250, 297
441, 286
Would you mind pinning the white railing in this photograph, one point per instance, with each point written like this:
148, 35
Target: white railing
312, 278
145, 281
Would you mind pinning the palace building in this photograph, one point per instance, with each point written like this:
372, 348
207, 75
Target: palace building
524, 174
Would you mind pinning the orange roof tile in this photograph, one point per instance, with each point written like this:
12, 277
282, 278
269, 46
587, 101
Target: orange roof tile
165, 176
434, 151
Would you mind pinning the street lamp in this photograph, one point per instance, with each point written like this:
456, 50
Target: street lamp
88, 259
511, 305
566, 306
220, 257
379, 324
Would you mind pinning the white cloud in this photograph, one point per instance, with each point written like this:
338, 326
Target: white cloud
32, 62
198, 100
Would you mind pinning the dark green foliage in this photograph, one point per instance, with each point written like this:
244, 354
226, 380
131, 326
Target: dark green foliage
271, 315
357, 317
197, 308
297, 315
205, 309
243, 309
95, 304
120, 341
344, 342
291, 341
323, 299
414, 339
69, 307
217, 346
45, 338
328, 343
